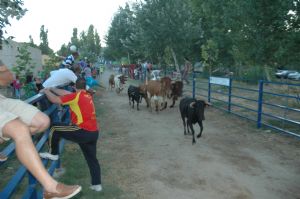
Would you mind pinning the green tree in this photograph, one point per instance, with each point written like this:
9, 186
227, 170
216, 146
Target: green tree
88, 44
51, 64
24, 66
31, 42
44, 45
9, 9
210, 53
119, 31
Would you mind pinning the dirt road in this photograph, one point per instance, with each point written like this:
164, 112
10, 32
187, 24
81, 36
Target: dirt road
147, 155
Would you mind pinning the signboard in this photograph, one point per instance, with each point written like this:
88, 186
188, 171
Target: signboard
219, 81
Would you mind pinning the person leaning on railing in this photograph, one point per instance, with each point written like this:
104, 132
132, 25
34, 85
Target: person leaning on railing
18, 121
83, 129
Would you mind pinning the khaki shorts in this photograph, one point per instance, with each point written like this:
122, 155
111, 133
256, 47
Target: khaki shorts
11, 109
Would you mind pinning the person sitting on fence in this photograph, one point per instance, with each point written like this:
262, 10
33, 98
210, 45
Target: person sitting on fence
83, 129
19, 121
70, 60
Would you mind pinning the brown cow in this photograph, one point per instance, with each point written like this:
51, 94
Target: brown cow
143, 92
166, 83
176, 91
156, 91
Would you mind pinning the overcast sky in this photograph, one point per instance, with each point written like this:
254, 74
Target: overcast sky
60, 17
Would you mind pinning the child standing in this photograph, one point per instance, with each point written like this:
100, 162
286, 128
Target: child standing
17, 87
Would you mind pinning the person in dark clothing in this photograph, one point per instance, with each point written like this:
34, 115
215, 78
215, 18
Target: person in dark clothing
83, 129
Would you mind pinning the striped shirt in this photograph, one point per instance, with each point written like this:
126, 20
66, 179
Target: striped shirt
69, 61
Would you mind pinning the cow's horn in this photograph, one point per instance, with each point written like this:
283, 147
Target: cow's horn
192, 104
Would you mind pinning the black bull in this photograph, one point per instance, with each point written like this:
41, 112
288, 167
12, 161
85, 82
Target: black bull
192, 110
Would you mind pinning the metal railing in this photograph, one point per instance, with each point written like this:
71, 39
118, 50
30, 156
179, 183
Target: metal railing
270, 104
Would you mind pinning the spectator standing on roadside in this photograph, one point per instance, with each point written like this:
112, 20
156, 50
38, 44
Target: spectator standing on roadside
186, 70
17, 87
83, 129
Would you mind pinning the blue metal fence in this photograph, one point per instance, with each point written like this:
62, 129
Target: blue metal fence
32, 191
274, 105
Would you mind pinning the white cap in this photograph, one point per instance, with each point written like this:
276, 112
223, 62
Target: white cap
73, 49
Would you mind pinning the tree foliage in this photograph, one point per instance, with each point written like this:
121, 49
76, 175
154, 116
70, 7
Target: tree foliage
24, 62
44, 45
88, 43
237, 35
9, 9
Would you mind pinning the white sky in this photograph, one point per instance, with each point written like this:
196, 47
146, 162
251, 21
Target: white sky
60, 17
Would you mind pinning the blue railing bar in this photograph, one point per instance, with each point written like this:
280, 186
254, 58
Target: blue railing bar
281, 106
201, 82
240, 97
219, 100
281, 130
247, 89
50, 110
282, 95
282, 118
199, 94
34, 98
201, 88
244, 107
42, 140
242, 116
31, 189
219, 92
12, 184
281, 83
217, 107
8, 150
229, 94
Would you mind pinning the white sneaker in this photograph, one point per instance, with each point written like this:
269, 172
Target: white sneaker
49, 156
96, 187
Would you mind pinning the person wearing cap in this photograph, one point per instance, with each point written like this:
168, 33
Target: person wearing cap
19, 121
69, 60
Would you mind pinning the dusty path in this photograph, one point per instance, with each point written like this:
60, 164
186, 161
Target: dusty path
151, 158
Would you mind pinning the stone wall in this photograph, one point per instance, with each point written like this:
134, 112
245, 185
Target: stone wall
9, 52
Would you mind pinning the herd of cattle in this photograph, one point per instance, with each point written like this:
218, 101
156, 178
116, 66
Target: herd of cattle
156, 93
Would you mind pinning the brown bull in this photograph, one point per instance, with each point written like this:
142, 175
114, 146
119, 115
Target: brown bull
176, 91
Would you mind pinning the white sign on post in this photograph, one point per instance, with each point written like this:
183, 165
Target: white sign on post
219, 81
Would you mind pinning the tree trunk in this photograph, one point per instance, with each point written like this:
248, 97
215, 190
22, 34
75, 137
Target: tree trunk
175, 60
128, 58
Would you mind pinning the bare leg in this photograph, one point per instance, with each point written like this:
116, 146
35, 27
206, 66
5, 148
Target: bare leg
27, 154
39, 123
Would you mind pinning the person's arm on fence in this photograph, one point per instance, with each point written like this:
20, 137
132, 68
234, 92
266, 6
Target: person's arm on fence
51, 96
60, 92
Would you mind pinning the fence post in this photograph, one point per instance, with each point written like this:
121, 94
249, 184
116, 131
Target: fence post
209, 92
194, 84
260, 101
229, 95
